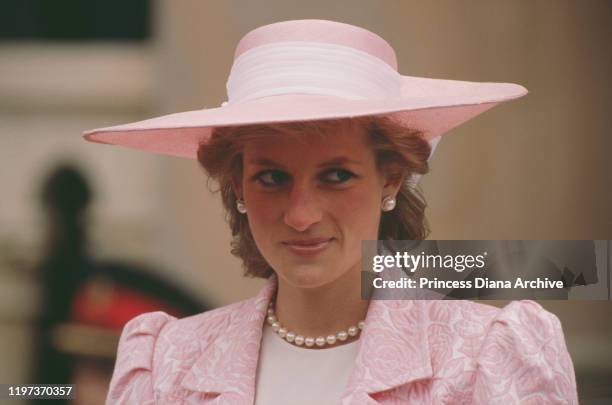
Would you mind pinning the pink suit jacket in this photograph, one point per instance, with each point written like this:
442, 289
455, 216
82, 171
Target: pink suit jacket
411, 352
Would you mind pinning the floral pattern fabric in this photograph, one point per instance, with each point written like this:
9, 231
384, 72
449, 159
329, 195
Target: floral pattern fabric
410, 352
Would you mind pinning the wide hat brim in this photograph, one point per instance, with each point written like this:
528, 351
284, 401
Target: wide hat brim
433, 106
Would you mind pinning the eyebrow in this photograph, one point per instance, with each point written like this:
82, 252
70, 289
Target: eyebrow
265, 162
340, 160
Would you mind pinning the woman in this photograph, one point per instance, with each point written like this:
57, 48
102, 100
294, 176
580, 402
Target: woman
318, 148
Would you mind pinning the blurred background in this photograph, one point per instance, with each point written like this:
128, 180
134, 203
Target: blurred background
91, 235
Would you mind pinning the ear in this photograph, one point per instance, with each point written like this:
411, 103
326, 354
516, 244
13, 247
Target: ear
393, 180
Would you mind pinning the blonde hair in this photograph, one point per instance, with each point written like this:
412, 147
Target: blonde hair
400, 152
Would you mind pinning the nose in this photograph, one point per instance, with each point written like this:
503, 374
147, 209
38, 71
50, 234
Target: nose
303, 209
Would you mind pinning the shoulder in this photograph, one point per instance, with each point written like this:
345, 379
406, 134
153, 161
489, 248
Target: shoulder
138, 338
156, 349
524, 358
523, 313
517, 353
131, 381
189, 334
524, 317
162, 329
203, 327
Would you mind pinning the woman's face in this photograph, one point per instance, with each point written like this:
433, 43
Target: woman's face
311, 200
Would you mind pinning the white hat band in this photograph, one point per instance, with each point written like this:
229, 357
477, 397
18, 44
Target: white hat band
318, 68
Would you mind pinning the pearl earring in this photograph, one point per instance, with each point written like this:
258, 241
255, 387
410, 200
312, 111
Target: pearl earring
240, 206
388, 203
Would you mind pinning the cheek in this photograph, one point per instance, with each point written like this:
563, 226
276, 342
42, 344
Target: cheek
265, 221
359, 211
262, 213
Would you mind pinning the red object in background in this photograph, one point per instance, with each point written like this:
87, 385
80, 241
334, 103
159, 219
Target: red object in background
103, 303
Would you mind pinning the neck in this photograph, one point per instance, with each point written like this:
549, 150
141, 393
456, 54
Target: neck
323, 310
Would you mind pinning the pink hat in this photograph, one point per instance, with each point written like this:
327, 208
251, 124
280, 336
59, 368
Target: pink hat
307, 70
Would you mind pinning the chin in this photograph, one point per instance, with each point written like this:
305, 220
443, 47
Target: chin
307, 276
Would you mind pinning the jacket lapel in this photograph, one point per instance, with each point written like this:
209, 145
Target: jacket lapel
394, 350
227, 366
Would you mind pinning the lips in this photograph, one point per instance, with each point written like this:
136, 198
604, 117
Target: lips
307, 247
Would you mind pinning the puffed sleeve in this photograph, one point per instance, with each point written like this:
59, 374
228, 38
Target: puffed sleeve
524, 359
131, 382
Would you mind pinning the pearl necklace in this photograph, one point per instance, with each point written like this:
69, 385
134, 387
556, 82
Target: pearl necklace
310, 341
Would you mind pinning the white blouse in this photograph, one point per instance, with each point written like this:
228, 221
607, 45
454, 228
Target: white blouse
289, 374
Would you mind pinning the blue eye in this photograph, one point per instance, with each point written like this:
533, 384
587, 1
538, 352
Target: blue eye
337, 176
270, 178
